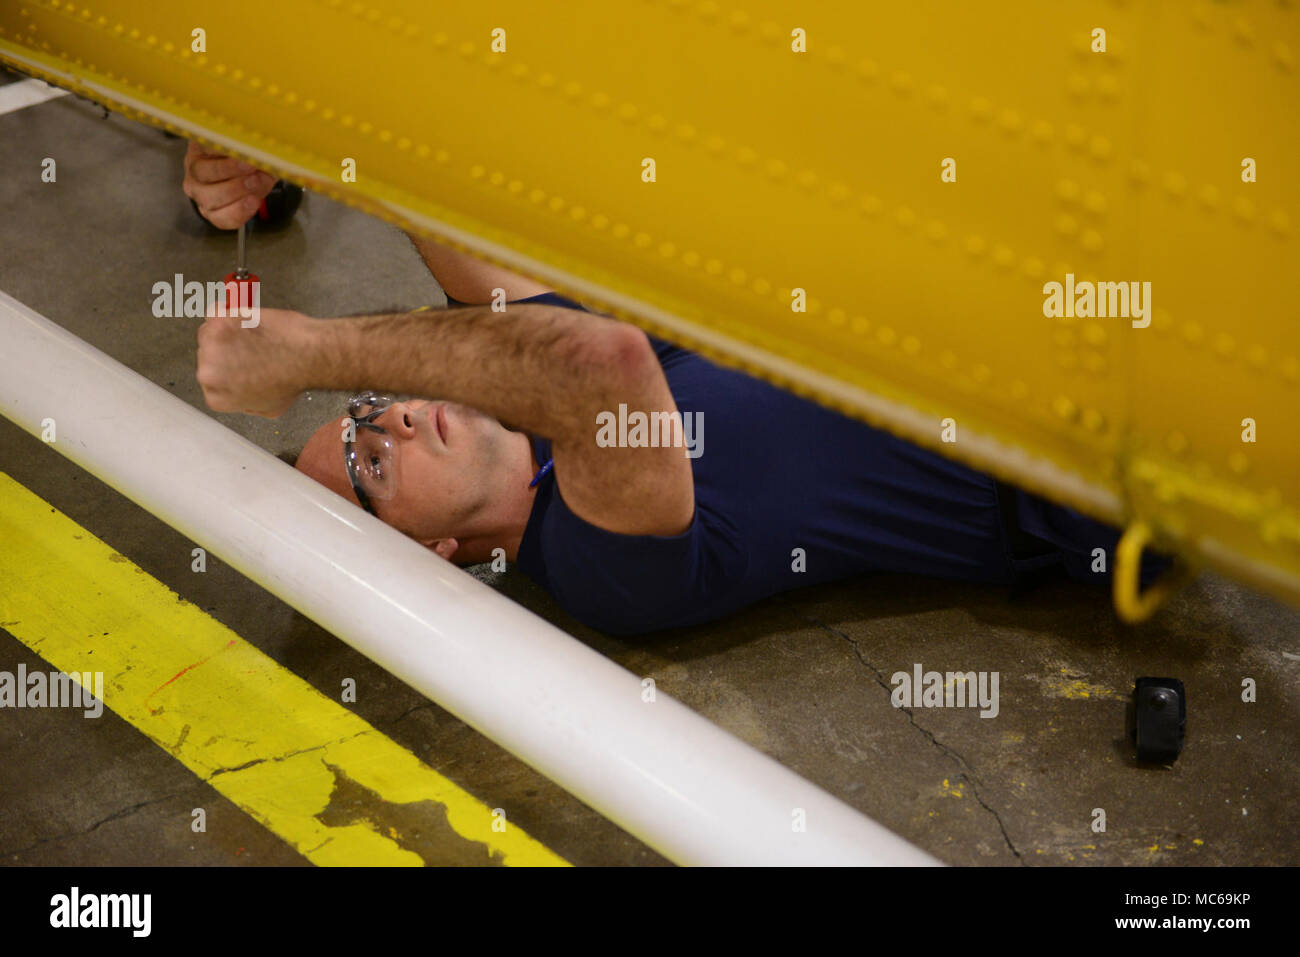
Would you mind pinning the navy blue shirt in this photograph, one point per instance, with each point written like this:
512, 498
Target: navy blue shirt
787, 494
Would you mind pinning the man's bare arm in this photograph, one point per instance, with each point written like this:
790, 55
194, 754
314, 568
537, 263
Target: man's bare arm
545, 369
471, 280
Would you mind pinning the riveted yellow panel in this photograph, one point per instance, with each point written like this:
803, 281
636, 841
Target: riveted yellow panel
801, 222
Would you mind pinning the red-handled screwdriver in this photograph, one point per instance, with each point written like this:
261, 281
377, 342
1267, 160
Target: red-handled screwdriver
241, 285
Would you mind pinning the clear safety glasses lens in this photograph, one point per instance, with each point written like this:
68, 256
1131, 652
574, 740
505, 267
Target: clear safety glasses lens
373, 453
374, 460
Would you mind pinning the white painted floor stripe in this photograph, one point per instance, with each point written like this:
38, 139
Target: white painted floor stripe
15, 96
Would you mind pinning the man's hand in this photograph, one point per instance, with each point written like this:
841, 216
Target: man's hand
226, 190
261, 370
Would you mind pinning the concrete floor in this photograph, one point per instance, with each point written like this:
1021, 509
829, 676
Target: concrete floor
804, 677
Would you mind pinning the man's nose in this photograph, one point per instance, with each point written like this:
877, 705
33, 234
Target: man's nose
399, 420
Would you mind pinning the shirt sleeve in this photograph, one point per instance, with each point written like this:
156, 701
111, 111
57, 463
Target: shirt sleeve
631, 584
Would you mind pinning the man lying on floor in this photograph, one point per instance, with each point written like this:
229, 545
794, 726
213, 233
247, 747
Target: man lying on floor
749, 490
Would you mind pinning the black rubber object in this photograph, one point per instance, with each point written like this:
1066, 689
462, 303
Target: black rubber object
1159, 719
281, 203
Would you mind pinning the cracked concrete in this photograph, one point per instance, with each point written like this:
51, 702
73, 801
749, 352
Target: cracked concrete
802, 677
116, 815
80, 791
284, 757
967, 772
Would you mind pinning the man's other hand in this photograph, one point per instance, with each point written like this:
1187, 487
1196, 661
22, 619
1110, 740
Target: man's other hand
227, 191
256, 370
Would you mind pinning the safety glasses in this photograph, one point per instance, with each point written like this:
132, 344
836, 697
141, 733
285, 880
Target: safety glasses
369, 452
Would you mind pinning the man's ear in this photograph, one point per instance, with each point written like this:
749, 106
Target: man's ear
444, 547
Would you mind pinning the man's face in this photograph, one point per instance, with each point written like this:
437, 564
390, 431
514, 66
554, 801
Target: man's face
445, 456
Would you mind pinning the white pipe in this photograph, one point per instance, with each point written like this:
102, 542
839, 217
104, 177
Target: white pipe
659, 770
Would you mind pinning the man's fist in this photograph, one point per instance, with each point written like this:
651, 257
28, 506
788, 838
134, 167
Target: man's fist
227, 191
256, 370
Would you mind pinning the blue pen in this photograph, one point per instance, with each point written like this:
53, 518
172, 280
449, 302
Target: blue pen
550, 463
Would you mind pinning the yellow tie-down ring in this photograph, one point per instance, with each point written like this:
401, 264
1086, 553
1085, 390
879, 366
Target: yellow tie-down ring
1131, 606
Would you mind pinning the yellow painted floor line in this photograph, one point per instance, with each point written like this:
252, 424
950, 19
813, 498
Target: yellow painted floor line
301, 764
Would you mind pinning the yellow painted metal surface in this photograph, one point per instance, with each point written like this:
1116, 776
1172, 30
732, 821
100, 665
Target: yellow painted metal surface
802, 147
303, 765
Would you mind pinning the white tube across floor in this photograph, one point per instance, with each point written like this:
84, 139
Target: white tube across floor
685, 787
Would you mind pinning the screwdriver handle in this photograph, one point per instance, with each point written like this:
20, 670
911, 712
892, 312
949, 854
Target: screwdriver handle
240, 292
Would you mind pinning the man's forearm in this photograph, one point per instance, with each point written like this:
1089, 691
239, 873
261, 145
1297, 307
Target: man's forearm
469, 279
542, 368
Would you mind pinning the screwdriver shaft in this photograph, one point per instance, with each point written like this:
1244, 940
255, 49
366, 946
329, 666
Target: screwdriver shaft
241, 270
